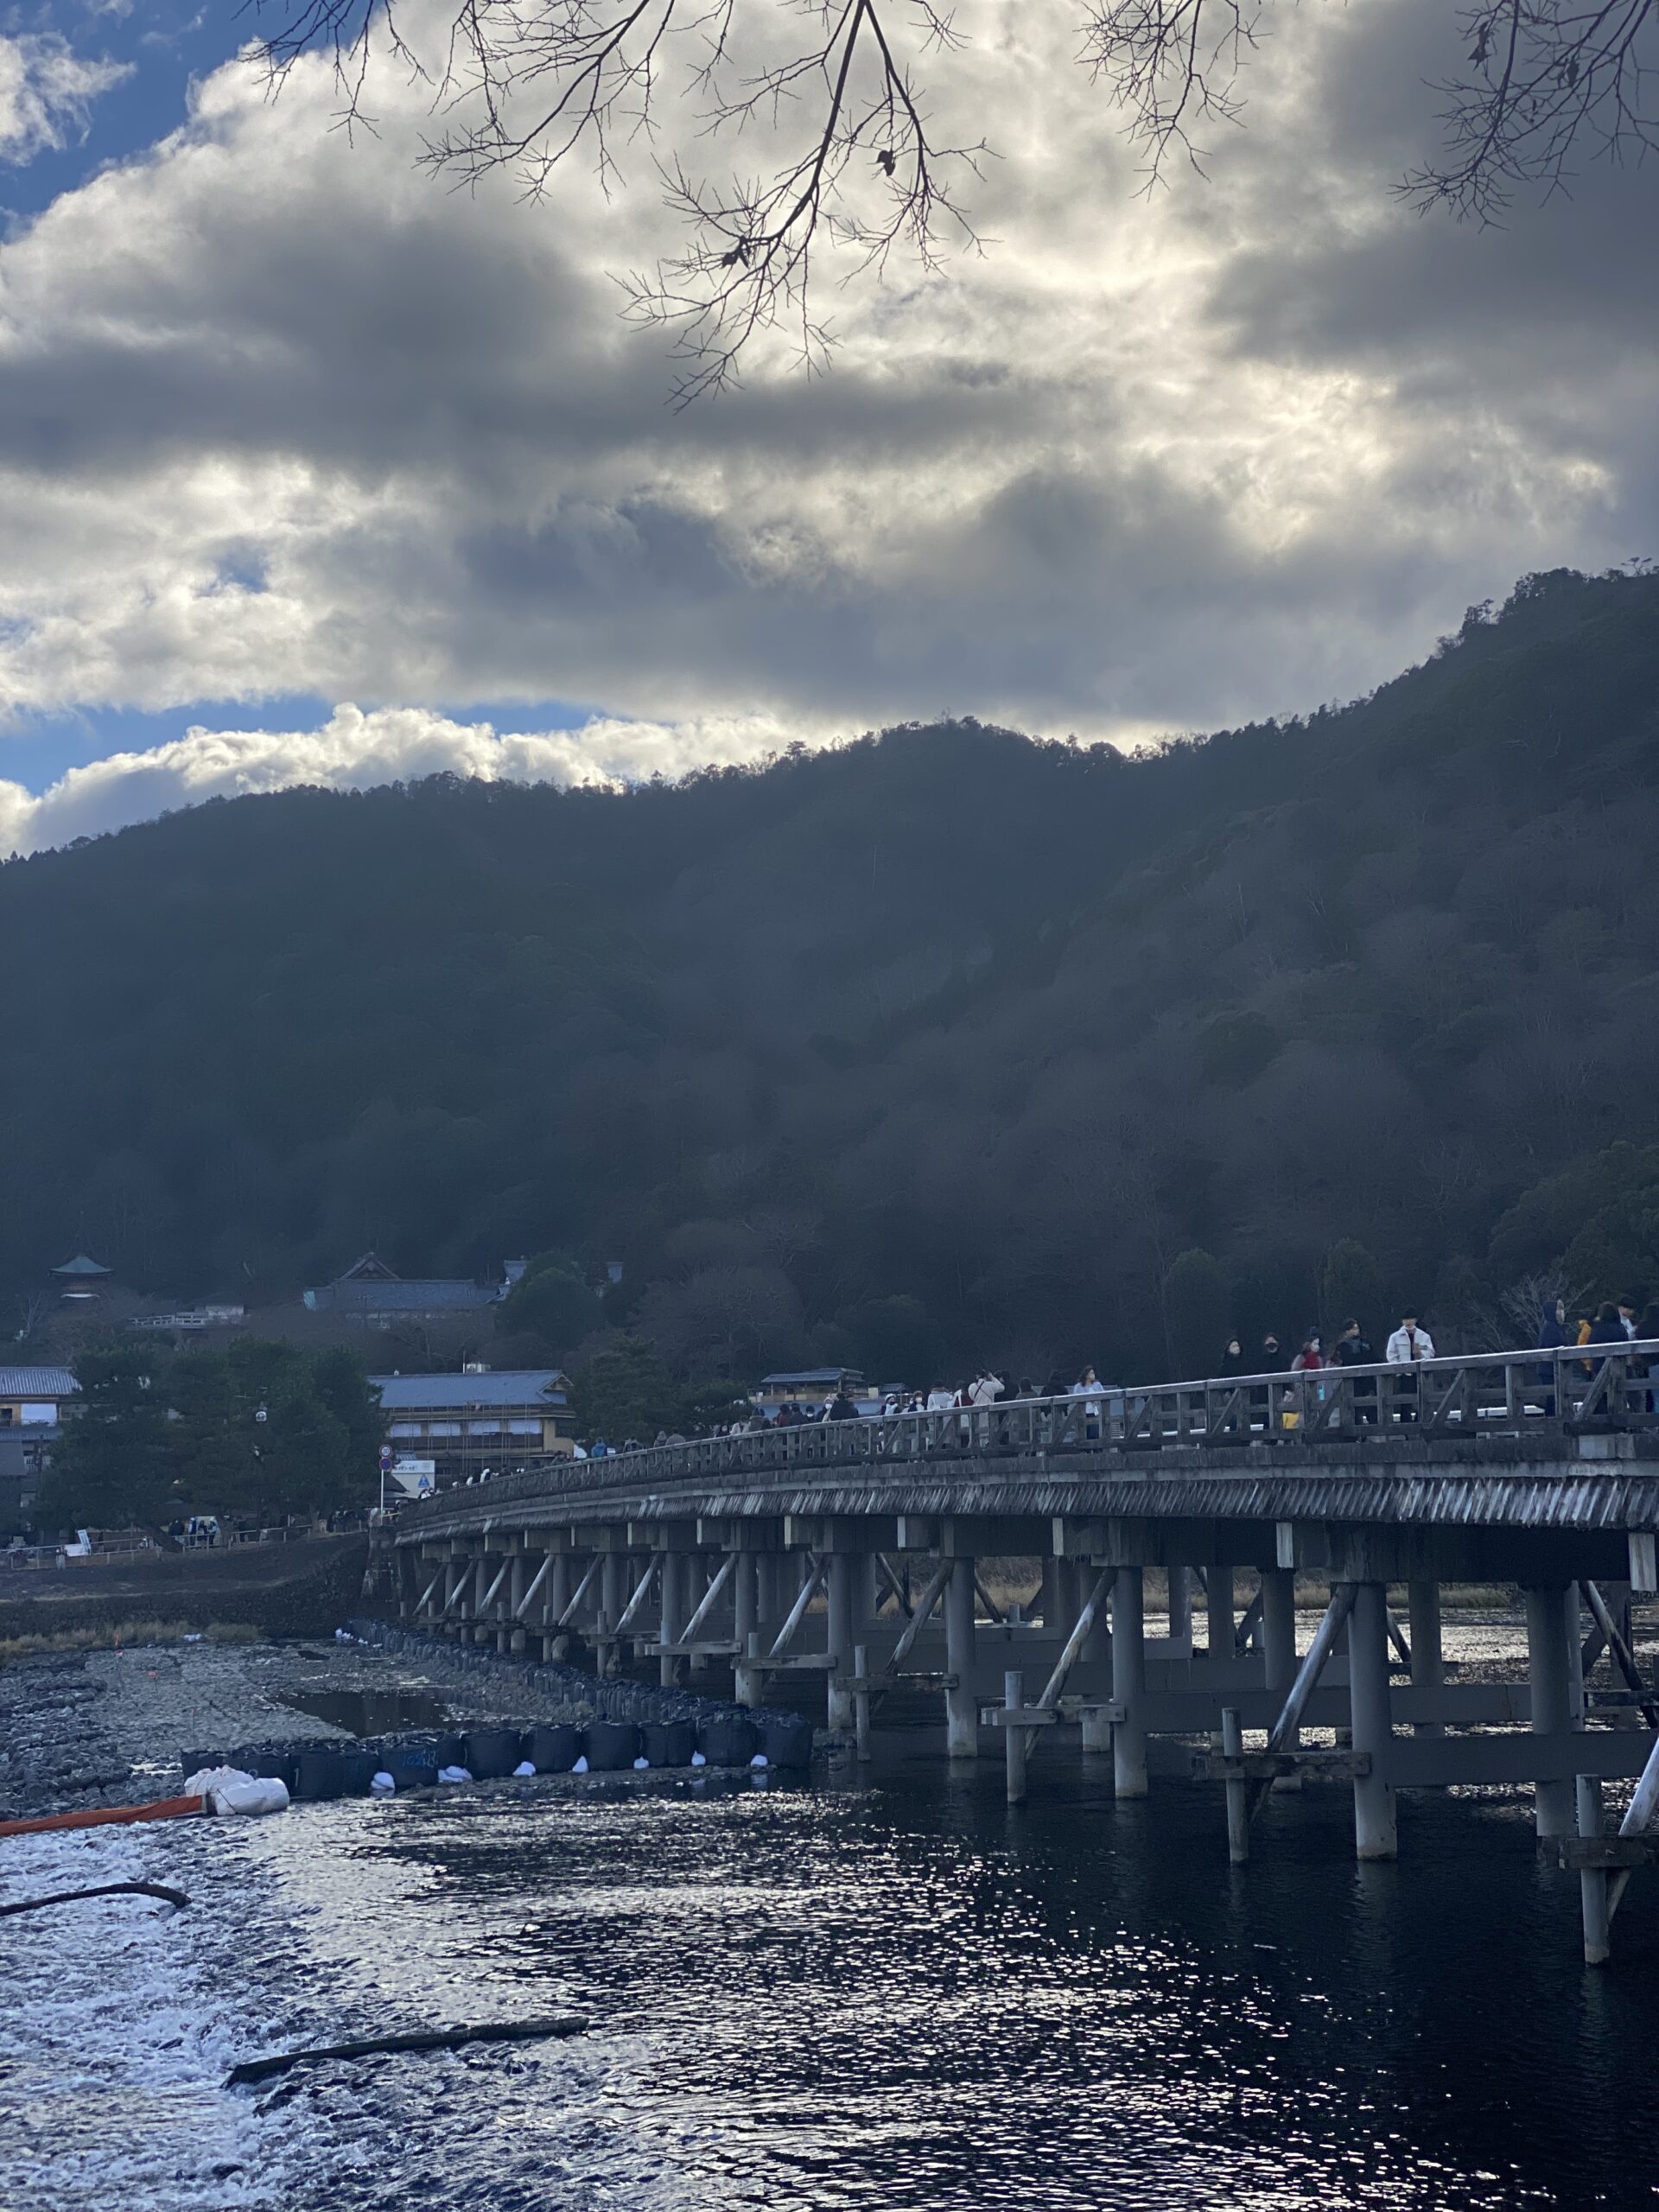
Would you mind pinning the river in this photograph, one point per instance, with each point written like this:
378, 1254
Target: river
884, 1992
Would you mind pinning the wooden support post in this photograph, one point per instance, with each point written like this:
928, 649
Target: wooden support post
1015, 1740
838, 1698
1375, 1835
1427, 1661
1639, 1815
708, 1602
861, 1702
1238, 1799
919, 1619
635, 1605
812, 1575
1286, 1727
1129, 1684
1552, 1700
960, 1709
1617, 1641
1592, 1880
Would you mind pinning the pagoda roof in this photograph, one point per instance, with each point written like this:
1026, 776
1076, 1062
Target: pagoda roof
80, 1265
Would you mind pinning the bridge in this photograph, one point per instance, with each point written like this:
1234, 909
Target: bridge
855, 1553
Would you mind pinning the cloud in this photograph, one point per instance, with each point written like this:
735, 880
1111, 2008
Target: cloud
47, 91
279, 415
354, 750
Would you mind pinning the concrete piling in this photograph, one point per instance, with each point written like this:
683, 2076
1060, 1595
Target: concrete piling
1238, 1800
961, 1714
1128, 1684
1549, 1669
1374, 1833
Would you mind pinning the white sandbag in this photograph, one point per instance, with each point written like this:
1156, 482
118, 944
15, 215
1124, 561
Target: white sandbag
383, 1784
697, 1759
639, 1766
251, 1797
581, 1766
206, 1779
524, 1770
454, 1774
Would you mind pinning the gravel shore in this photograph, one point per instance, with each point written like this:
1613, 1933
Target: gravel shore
110, 1727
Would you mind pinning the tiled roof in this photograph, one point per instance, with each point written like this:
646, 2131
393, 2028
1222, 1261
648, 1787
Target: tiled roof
37, 1382
533, 1386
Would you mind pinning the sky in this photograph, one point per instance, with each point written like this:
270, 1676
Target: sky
315, 469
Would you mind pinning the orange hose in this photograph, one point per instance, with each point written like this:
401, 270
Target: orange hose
101, 1816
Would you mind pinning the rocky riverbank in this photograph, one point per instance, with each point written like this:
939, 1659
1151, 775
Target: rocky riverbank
111, 1727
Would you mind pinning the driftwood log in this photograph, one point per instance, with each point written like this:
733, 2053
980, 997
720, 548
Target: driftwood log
104, 1890
261, 2069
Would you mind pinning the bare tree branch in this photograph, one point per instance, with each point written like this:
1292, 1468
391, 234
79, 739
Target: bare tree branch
854, 170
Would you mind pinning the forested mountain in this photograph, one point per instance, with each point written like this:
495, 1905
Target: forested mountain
944, 1044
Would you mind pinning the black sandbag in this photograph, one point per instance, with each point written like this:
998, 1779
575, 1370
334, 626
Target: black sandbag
412, 1765
357, 1769
727, 1740
488, 1753
611, 1744
451, 1750
553, 1748
319, 1774
192, 1761
786, 1737
668, 1743
276, 1762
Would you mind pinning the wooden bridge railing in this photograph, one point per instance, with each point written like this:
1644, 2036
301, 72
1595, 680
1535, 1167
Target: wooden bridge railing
1488, 1394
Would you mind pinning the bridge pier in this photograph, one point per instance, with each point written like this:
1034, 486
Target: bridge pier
841, 1582
673, 1615
1549, 1669
1423, 1634
1181, 1612
1218, 1608
1374, 1832
961, 1706
1129, 1683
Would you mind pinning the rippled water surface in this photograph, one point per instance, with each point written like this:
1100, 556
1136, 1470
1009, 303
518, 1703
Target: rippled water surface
890, 1994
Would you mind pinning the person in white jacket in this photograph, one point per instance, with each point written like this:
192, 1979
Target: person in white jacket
1406, 1347
1408, 1344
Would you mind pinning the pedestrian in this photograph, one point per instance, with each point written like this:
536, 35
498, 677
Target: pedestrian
939, 1400
1311, 1357
1353, 1348
1410, 1344
1057, 1386
1607, 1329
1089, 1387
1553, 1334
1232, 1360
1627, 1309
985, 1388
841, 1407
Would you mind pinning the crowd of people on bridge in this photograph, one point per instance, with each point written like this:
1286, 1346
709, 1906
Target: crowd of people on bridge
1616, 1322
